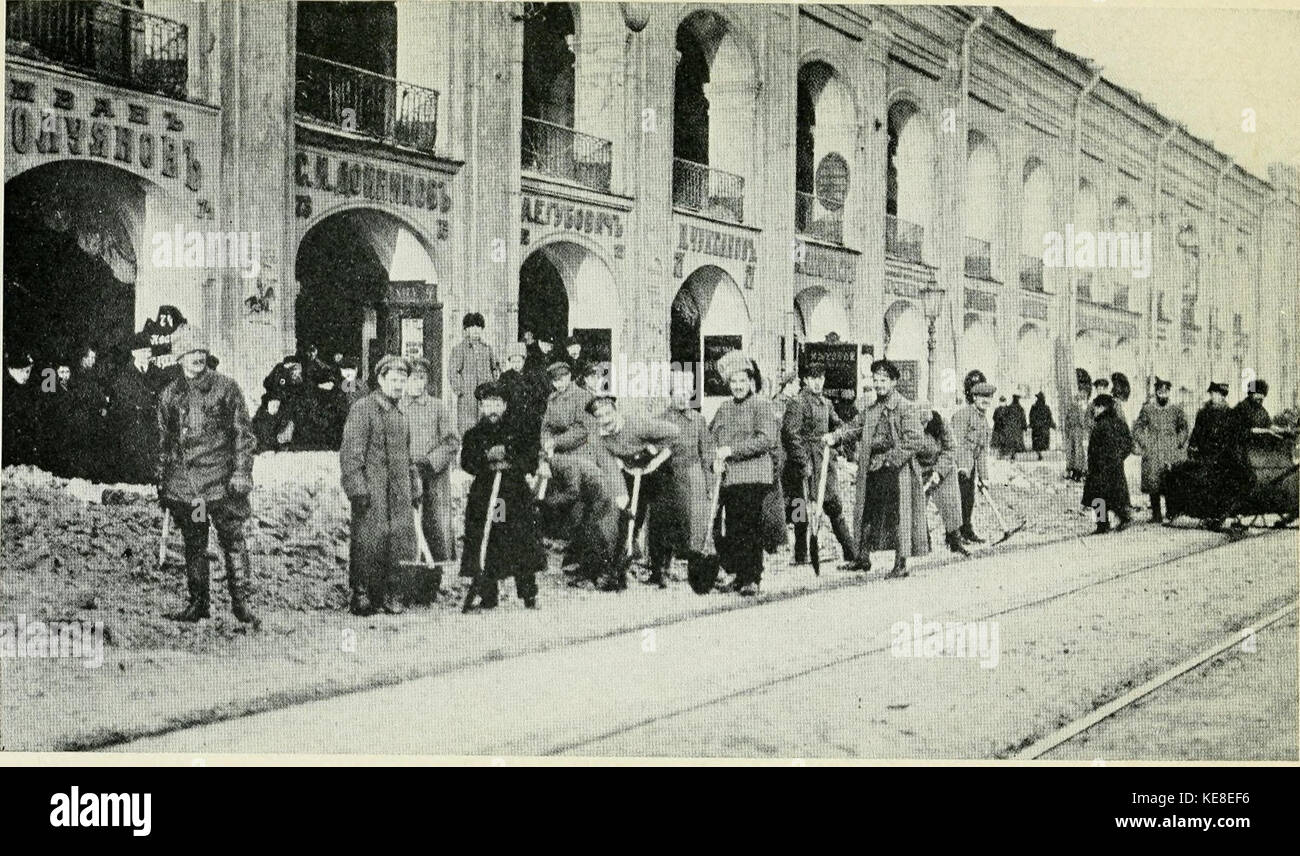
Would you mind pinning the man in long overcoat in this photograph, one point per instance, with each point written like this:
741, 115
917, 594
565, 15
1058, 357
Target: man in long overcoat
1160, 437
433, 452
470, 363
1106, 487
132, 417
889, 505
680, 525
490, 447
381, 484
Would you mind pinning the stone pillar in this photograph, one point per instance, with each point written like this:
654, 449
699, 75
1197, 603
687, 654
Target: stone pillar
255, 195
869, 308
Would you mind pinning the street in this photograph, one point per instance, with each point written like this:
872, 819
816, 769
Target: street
1069, 626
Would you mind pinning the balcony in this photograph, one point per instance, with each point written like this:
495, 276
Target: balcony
1085, 286
979, 258
362, 102
903, 240
813, 218
565, 153
712, 192
1031, 273
110, 42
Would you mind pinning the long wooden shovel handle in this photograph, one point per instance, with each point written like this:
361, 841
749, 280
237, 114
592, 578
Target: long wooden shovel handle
631, 523
422, 551
487, 523
827, 451
714, 502
162, 542
988, 500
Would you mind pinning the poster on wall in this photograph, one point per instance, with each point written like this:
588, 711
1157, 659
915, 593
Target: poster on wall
413, 337
840, 360
714, 348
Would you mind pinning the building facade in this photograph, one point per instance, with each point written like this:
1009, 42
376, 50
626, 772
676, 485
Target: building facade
664, 181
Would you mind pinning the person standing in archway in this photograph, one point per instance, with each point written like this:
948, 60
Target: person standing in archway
21, 421
471, 362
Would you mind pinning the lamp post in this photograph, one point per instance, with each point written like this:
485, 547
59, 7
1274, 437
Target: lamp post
931, 304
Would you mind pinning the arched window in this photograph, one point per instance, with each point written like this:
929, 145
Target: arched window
824, 142
983, 204
908, 199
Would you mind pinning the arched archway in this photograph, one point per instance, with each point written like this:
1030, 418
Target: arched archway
1036, 223
819, 312
825, 136
363, 290
708, 317
74, 254
566, 289
979, 346
715, 97
983, 204
906, 341
908, 196
1034, 356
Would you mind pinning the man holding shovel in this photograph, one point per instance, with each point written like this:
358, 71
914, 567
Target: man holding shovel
807, 418
205, 472
500, 507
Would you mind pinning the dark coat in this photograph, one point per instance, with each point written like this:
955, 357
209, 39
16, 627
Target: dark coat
686, 516
753, 431
205, 440
1108, 445
525, 405
514, 543
375, 463
807, 418
133, 425
433, 452
1160, 437
21, 422
1041, 424
87, 433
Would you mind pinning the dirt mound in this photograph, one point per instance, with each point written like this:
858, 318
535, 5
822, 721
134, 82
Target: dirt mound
64, 554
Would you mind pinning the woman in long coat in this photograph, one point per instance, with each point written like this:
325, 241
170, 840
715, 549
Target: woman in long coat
889, 503
1041, 424
1106, 488
433, 451
938, 459
380, 481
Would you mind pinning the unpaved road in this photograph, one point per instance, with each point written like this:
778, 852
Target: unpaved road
1077, 623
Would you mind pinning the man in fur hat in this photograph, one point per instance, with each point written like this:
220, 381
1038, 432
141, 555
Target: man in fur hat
1160, 437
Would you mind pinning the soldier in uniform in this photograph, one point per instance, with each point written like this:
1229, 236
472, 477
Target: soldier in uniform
514, 547
806, 419
205, 472
1160, 437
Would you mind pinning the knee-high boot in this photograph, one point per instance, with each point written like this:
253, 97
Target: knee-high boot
196, 580
239, 579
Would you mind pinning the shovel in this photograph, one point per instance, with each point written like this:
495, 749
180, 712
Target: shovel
625, 558
1006, 533
482, 550
162, 542
421, 577
814, 551
702, 568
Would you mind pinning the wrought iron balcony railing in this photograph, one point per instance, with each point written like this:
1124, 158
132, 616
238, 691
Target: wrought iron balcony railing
979, 258
111, 42
813, 218
715, 192
565, 153
373, 105
903, 240
1031, 273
